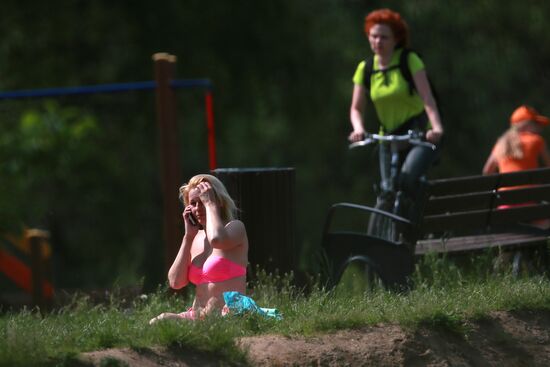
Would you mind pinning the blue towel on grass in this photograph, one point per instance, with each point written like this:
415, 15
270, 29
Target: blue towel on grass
239, 304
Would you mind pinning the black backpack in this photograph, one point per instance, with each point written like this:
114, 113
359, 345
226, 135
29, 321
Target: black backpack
403, 66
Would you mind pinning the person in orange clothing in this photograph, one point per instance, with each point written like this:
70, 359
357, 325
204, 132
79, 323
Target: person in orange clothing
521, 147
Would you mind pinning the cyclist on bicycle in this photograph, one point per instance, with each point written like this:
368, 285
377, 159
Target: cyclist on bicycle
399, 108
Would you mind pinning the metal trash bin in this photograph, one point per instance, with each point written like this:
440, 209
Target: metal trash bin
266, 202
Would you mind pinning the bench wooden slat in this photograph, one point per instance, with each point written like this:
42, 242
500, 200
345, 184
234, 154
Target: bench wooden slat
462, 185
482, 218
452, 221
465, 202
478, 242
520, 214
470, 184
528, 177
524, 194
486, 199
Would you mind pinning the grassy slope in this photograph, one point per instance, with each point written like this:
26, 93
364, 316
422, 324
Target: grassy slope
445, 298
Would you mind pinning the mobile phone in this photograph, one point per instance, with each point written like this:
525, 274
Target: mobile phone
194, 221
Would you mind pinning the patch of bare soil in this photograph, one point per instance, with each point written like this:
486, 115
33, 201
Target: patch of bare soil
148, 358
502, 339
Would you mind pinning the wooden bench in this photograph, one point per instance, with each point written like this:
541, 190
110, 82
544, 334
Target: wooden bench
457, 215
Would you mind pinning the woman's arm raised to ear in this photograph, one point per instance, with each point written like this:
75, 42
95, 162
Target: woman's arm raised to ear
223, 236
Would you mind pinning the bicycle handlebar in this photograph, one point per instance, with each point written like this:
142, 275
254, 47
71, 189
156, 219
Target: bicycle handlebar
412, 137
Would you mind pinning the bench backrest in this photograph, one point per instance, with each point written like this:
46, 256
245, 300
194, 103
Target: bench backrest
475, 202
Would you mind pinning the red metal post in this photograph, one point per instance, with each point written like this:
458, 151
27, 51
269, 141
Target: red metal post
164, 68
210, 127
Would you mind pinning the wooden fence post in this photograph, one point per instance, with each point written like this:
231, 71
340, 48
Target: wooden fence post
164, 68
42, 292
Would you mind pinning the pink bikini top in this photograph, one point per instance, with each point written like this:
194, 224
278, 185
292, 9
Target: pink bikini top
214, 270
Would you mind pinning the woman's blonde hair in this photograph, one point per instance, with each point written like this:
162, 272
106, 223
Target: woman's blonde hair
227, 205
509, 144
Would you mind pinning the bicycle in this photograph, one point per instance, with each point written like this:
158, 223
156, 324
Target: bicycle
392, 197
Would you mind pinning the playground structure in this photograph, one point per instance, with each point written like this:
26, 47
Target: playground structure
29, 275
26, 260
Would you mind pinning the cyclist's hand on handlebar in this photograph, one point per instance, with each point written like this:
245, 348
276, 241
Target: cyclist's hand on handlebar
356, 135
434, 136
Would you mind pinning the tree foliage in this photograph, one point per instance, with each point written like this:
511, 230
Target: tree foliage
87, 167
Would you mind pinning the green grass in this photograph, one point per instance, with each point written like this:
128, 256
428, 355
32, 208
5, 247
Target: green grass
444, 297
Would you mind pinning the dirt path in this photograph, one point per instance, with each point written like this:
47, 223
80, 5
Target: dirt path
503, 339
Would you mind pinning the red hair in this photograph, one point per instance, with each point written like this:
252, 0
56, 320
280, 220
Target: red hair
392, 19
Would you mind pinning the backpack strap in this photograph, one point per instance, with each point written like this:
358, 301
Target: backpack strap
405, 70
407, 75
367, 73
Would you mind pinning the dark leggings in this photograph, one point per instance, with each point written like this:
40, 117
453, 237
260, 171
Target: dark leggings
413, 164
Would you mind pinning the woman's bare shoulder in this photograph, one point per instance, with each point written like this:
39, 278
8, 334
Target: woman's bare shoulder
237, 231
235, 223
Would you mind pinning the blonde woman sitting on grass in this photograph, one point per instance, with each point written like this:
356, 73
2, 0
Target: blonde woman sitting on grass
214, 251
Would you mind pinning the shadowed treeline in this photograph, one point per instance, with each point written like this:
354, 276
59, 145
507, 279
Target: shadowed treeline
86, 168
